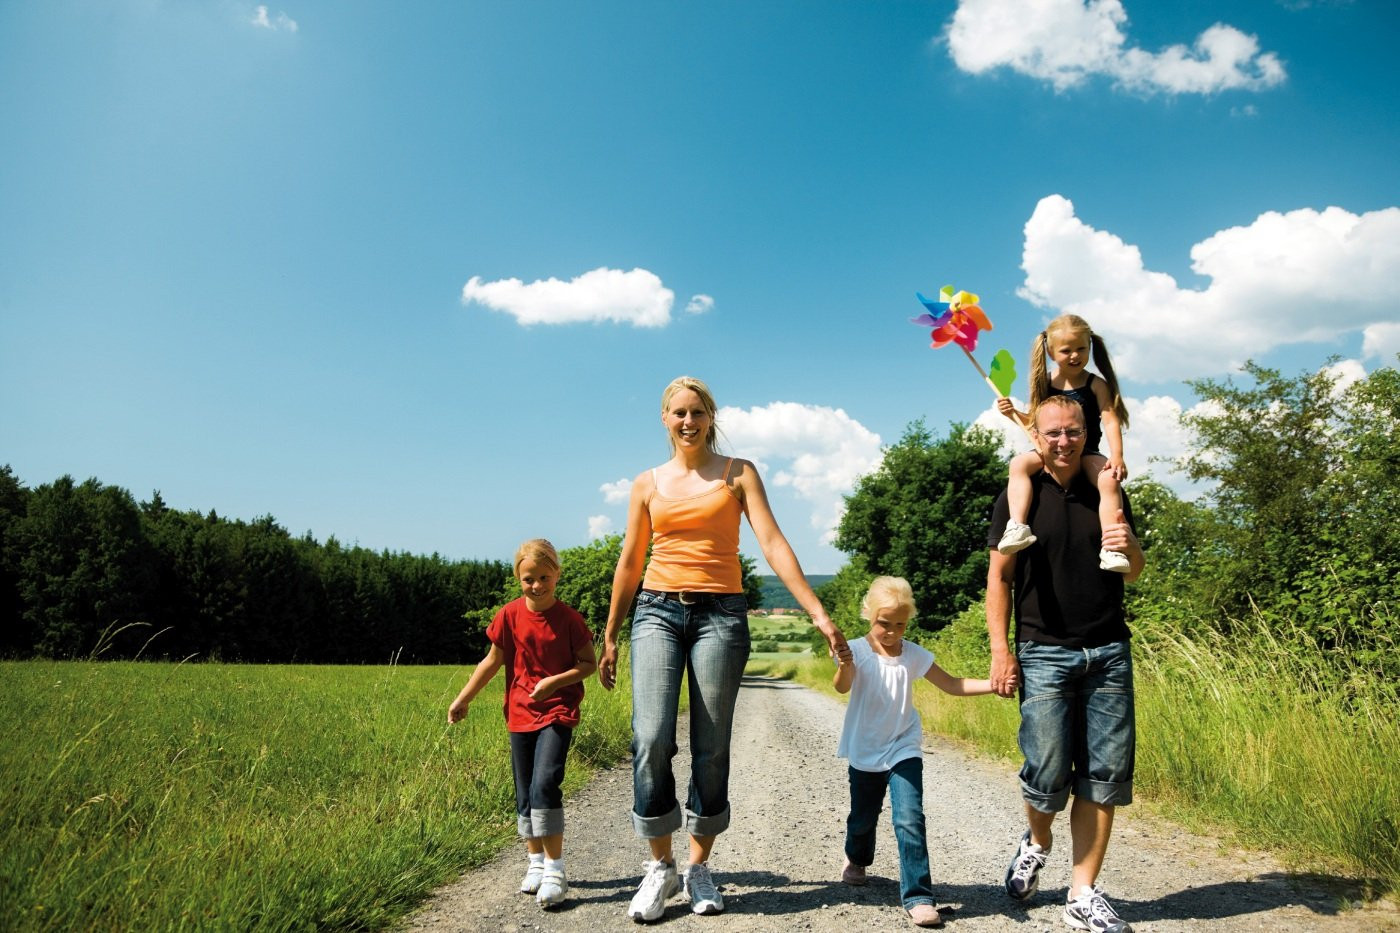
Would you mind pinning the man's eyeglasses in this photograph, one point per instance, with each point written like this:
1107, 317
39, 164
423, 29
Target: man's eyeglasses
1071, 434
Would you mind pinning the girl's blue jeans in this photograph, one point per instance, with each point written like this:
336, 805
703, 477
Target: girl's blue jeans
537, 761
705, 638
906, 784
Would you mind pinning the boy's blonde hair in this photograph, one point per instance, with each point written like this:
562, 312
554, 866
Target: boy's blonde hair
538, 550
887, 593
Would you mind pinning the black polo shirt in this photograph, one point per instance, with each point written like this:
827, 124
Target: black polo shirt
1061, 597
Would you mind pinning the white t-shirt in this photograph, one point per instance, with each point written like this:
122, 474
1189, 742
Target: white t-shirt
882, 727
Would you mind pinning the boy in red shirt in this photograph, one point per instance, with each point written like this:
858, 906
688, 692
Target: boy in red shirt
547, 651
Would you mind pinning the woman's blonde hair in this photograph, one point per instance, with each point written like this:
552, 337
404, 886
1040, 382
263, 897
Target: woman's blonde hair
538, 550
1040, 348
706, 399
887, 593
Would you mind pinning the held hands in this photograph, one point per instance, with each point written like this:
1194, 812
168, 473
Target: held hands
1005, 675
842, 654
836, 642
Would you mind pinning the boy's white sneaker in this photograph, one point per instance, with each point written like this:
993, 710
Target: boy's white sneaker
553, 887
1016, 537
1116, 561
700, 888
659, 883
530, 884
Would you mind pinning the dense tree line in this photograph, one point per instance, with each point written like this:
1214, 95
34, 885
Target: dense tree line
1295, 526
85, 569
78, 560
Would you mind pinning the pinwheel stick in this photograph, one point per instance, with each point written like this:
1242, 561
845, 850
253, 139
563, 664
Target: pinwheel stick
995, 391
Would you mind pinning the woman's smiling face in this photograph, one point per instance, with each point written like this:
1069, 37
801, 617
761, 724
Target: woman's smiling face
687, 420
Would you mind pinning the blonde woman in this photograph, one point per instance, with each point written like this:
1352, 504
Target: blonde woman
691, 618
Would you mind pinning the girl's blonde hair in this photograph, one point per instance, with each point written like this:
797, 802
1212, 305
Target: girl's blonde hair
887, 593
1040, 349
706, 399
538, 550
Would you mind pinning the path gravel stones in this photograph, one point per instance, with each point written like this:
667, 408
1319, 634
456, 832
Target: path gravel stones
779, 864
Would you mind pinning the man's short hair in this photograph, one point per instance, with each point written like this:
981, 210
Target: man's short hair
1059, 401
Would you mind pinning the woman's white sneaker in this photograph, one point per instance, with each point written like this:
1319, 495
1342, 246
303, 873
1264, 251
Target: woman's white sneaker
700, 888
659, 883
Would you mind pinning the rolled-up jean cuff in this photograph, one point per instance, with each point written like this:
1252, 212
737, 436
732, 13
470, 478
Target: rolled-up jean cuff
1045, 803
654, 827
1109, 793
541, 823
698, 825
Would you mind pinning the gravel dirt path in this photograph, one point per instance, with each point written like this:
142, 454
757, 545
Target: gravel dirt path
779, 864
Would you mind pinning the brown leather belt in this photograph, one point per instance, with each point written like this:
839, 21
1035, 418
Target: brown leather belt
686, 597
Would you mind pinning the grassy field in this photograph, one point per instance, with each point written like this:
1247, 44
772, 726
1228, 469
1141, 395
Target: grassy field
778, 637
1254, 744
161, 796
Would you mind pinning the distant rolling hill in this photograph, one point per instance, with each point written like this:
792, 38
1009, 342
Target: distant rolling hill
776, 596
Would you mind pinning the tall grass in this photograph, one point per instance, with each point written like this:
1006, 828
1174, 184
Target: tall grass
1269, 734
159, 796
1264, 734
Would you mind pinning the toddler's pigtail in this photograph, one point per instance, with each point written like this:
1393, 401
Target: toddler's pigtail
1105, 368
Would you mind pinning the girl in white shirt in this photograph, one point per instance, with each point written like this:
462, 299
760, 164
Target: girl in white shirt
882, 740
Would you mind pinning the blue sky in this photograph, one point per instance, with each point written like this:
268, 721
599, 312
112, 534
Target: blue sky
416, 275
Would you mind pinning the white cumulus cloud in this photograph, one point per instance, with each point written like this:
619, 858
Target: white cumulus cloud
699, 304
281, 21
599, 526
818, 452
1066, 42
1305, 276
613, 493
1381, 340
637, 298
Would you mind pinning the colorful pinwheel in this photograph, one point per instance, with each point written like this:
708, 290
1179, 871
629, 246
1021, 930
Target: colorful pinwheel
958, 319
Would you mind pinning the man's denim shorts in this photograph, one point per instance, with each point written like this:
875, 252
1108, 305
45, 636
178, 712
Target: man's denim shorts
1077, 729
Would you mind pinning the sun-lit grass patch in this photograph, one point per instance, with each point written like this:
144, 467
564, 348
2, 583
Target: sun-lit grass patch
141, 796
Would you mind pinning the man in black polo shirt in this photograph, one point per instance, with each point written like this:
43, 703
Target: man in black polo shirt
1072, 665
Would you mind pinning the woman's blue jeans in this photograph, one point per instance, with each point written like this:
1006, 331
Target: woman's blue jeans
705, 638
906, 783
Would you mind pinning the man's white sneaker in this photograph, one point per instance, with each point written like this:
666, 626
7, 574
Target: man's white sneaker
1116, 561
1023, 874
1016, 537
1089, 910
553, 887
700, 888
659, 883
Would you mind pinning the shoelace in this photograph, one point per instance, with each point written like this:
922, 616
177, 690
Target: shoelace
655, 878
700, 883
1026, 864
1099, 908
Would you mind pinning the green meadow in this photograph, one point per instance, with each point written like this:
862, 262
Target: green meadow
165, 796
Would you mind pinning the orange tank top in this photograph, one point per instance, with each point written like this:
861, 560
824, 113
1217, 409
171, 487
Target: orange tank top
695, 540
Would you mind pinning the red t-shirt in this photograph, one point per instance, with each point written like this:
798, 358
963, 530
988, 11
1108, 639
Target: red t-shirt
537, 645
